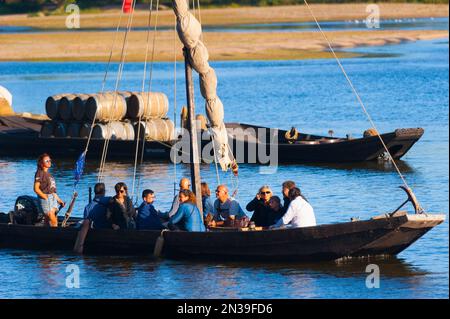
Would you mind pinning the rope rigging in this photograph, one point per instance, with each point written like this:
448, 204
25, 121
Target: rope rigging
118, 80
142, 90
148, 93
175, 101
116, 33
123, 53
355, 92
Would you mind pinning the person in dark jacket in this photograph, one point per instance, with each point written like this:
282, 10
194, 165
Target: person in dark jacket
121, 211
147, 216
95, 211
285, 188
277, 210
262, 213
188, 216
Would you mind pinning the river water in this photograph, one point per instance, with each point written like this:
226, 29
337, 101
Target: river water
404, 85
349, 25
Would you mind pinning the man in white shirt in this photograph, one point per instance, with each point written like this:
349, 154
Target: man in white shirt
299, 214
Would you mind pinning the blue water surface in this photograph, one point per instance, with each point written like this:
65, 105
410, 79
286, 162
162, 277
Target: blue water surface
406, 86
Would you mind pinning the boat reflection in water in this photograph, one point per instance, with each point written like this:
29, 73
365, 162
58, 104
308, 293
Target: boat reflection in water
112, 276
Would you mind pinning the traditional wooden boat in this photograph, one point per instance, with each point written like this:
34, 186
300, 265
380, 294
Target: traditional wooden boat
319, 149
387, 234
19, 133
382, 235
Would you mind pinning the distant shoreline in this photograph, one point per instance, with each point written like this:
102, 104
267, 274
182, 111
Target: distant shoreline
241, 15
223, 46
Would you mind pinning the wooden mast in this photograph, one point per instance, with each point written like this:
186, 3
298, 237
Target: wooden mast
192, 129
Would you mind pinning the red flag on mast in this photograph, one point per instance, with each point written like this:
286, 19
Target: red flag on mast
127, 6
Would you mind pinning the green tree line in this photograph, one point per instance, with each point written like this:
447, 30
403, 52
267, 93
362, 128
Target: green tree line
17, 6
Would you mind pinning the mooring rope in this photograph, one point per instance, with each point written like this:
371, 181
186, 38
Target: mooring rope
356, 94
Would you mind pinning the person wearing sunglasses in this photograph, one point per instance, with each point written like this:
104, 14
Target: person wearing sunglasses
262, 213
45, 188
121, 211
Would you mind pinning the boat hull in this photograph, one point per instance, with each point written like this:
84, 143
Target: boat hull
247, 148
396, 241
317, 149
318, 243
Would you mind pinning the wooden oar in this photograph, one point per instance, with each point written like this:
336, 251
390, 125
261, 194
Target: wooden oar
82, 233
69, 210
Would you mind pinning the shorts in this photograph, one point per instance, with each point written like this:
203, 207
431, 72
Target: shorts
48, 204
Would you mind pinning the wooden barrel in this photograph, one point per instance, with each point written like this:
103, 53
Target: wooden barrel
129, 130
51, 105
48, 129
85, 130
61, 129
148, 105
112, 130
65, 107
73, 130
79, 106
109, 107
156, 130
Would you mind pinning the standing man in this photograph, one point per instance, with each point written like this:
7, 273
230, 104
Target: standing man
45, 188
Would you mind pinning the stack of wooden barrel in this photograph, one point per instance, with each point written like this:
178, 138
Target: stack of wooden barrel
116, 116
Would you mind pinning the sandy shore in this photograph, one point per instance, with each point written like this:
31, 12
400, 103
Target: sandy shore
244, 15
95, 46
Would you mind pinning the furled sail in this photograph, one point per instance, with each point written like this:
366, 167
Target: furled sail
189, 31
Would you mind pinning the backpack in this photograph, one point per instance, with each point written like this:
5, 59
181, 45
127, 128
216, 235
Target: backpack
27, 210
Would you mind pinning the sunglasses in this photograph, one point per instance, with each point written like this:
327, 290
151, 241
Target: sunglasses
48, 161
122, 191
268, 192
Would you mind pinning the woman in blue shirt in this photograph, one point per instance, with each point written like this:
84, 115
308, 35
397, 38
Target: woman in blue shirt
188, 216
206, 201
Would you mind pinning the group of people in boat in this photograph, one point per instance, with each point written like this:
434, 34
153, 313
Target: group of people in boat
118, 211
